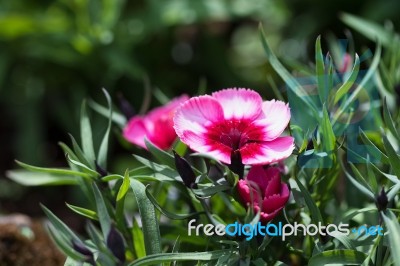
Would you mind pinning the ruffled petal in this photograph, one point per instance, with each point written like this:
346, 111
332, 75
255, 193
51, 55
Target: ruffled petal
168, 109
249, 192
274, 181
239, 103
274, 203
202, 144
276, 116
267, 152
257, 175
197, 113
135, 131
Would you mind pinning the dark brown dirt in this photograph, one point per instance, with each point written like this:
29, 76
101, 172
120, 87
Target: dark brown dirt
17, 249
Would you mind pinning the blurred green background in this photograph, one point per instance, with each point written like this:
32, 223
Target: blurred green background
53, 54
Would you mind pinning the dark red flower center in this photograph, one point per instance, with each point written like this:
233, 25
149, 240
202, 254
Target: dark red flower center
231, 133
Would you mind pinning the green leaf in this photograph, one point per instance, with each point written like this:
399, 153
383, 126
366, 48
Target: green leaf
369, 29
285, 75
84, 212
393, 231
389, 121
148, 217
360, 177
163, 156
102, 212
320, 71
392, 155
189, 256
28, 178
121, 199
86, 136
82, 167
118, 118
64, 245
124, 187
329, 138
60, 226
81, 157
312, 207
365, 190
103, 150
158, 168
371, 71
345, 87
171, 215
341, 256
58, 171
210, 191
367, 141
138, 240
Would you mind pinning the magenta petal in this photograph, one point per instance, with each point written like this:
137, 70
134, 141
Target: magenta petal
135, 131
202, 144
274, 183
276, 116
197, 113
239, 103
249, 192
257, 175
273, 203
267, 152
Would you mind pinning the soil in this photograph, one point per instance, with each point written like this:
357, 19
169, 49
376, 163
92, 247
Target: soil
24, 241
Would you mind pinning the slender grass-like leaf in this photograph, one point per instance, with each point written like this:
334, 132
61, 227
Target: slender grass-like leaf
367, 141
60, 226
82, 166
210, 191
103, 150
341, 256
86, 136
328, 135
148, 217
392, 156
58, 171
371, 71
163, 156
171, 215
365, 190
393, 230
84, 212
369, 29
346, 86
79, 153
387, 117
312, 207
116, 117
320, 71
102, 212
64, 245
138, 240
285, 75
28, 178
189, 256
121, 199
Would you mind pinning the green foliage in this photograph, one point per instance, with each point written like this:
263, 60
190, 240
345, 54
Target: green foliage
148, 206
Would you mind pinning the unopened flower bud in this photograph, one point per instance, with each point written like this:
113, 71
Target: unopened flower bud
382, 200
115, 243
126, 108
79, 247
185, 171
102, 172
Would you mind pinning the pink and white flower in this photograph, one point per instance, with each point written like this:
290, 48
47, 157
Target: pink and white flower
264, 191
156, 126
235, 119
